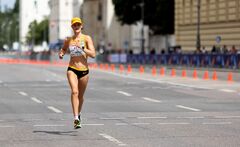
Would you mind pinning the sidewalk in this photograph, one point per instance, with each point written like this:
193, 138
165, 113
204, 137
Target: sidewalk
221, 83
219, 74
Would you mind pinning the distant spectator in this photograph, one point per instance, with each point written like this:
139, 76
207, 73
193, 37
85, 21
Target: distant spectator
153, 51
203, 50
109, 47
224, 49
178, 50
130, 52
214, 49
163, 51
233, 50
197, 51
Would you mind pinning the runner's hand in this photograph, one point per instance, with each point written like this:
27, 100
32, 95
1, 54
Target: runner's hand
61, 55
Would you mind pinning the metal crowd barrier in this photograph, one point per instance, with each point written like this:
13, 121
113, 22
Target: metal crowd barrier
196, 60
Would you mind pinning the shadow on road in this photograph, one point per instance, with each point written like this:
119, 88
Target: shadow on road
70, 133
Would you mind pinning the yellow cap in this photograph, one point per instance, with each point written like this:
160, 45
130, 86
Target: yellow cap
76, 20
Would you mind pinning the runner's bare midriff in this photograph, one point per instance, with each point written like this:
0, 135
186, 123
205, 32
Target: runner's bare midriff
78, 62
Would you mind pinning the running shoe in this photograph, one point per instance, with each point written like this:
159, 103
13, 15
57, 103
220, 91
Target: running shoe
77, 124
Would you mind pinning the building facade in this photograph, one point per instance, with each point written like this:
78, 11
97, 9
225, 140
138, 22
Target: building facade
219, 23
60, 19
31, 10
100, 22
62, 11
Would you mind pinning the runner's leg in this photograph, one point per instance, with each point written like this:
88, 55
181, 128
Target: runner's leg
73, 82
82, 85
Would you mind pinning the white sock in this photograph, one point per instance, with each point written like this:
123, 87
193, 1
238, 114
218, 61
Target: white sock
76, 117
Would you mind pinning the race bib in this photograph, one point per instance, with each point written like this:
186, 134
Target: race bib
76, 51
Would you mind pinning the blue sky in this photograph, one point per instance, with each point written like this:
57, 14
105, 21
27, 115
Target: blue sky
9, 3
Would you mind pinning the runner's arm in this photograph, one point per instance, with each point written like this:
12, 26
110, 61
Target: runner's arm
90, 50
63, 50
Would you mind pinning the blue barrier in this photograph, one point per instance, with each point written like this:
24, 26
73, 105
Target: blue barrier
196, 60
174, 59
205, 60
233, 61
185, 60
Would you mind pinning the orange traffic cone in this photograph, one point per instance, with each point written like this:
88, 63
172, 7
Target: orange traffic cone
106, 67
95, 65
173, 72
184, 73
195, 74
154, 71
162, 71
214, 77
112, 67
141, 69
230, 77
205, 76
129, 69
101, 66
121, 68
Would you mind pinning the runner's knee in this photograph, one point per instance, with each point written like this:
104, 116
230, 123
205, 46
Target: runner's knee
74, 93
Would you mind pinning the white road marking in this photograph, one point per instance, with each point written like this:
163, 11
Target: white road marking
217, 123
227, 116
141, 123
36, 100
54, 109
124, 93
93, 124
188, 108
152, 117
112, 118
32, 119
22, 93
191, 117
112, 139
121, 124
48, 125
151, 100
167, 87
1, 81
132, 83
155, 81
48, 80
179, 123
187, 85
228, 90
7, 126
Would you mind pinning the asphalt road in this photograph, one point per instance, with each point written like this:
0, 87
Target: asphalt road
119, 110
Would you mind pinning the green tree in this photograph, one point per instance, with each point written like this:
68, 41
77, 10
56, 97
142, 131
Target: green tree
16, 7
38, 32
158, 14
9, 26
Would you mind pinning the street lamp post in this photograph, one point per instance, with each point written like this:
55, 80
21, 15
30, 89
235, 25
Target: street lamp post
198, 41
142, 29
0, 5
33, 26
